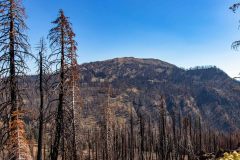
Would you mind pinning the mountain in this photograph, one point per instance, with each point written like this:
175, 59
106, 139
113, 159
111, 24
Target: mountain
205, 92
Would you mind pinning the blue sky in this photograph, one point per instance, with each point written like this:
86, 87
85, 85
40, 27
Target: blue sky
186, 33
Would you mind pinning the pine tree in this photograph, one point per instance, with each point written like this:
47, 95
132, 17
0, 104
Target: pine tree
131, 135
73, 94
234, 8
162, 128
43, 69
14, 48
107, 130
60, 44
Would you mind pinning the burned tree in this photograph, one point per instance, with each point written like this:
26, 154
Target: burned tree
60, 44
107, 130
131, 136
234, 8
14, 48
73, 94
44, 78
106, 141
58, 37
162, 129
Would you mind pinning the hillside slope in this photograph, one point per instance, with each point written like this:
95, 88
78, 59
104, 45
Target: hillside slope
208, 93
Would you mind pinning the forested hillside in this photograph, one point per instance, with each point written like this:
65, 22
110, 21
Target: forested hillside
205, 92
199, 105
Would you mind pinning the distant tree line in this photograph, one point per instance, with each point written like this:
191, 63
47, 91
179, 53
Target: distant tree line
202, 67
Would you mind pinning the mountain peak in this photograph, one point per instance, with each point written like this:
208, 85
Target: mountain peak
150, 61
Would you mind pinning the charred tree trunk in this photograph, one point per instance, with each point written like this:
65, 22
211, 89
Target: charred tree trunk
141, 138
40, 133
59, 118
132, 137
14, 49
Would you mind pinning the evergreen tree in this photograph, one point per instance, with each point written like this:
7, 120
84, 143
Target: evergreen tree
14, 49
43, 69
60, 43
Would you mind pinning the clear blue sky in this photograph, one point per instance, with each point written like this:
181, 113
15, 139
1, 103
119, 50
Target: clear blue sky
186, 33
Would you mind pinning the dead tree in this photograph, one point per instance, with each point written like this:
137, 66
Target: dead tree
200, 134
162, 129
14, 48
142, 130
174, 150
60, 43
131, 135
44, 70
73, 79
107, 129
234, 8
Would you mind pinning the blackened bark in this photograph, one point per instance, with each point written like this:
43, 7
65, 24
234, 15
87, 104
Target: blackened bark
13, 83
40, 133
59, 118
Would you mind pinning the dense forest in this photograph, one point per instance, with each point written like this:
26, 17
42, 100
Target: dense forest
56, 127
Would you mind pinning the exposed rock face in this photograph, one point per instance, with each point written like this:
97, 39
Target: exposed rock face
208, 93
